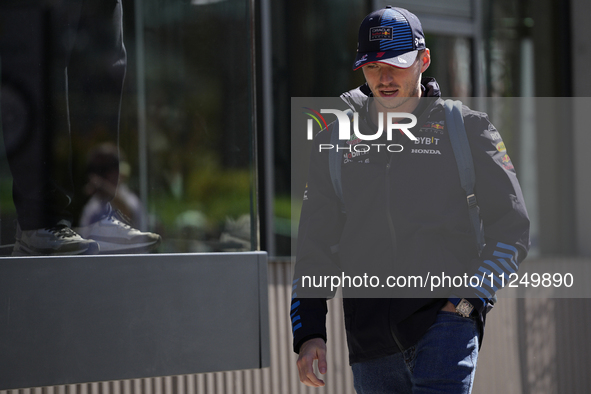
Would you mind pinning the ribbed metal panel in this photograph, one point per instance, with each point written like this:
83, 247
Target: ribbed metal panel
538, 345
531, 346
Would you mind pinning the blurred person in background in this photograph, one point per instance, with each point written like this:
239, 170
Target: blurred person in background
107, 175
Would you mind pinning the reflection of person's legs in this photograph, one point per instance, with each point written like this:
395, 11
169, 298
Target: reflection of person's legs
90, 39
95, 73
41, 199
96, 70
37, 198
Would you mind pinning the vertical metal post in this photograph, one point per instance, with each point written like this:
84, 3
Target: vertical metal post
581, 55
528, 137
141, 108
267, 81
478, 59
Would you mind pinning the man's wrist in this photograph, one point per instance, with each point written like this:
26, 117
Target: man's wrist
298, 346
463, 306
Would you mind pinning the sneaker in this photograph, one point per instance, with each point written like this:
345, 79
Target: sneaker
57, 240
115, 236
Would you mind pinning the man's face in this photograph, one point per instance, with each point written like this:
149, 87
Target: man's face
393, 87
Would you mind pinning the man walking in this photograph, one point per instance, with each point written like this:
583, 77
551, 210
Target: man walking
404, 211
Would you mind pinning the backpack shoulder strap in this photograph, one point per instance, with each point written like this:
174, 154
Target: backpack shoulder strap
334, 162
463, 155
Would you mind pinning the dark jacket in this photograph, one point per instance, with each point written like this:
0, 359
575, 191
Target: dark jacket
405, 213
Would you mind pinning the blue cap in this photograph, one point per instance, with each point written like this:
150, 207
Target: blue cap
391, 35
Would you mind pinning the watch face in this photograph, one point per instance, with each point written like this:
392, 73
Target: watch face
464, 308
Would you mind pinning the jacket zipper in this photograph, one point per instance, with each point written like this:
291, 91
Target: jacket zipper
392, 232
388, 211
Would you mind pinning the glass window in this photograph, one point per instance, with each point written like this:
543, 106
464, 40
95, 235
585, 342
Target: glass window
130, 123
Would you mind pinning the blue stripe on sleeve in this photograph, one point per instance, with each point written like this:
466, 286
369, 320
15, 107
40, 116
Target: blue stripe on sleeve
507, 266
483, 291
486, 282
295, 305
504, 255
494, 266
295, 319
508, 247
296, 327
495, 278
480, 289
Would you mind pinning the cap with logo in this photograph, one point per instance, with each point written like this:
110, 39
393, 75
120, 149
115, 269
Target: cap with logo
391, 35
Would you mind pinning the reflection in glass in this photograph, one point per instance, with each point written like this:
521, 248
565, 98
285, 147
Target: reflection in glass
68, 118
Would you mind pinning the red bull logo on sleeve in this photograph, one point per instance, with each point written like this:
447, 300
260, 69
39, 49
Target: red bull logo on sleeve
506, 162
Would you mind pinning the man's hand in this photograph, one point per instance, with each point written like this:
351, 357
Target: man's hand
313, 349
449, 307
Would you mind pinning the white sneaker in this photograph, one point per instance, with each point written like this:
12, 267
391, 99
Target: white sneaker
114, 236
57, 240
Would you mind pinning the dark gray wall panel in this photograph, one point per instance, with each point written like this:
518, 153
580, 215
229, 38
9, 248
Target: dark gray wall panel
68, 320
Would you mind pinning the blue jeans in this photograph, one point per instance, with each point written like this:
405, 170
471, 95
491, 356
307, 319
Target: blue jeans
443, 361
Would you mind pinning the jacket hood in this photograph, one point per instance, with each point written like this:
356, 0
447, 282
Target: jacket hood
357, 98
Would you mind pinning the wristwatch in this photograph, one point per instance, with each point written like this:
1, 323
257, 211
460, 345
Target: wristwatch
463, 307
